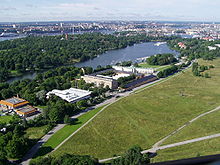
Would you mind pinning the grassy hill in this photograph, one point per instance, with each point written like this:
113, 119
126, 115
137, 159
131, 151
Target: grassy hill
148, 116
205, 126
202, 148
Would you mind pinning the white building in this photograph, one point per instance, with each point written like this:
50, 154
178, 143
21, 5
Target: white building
212, 48
99, 80
218, 45
71, 95
134, 69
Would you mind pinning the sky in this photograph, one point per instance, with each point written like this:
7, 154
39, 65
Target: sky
104, 10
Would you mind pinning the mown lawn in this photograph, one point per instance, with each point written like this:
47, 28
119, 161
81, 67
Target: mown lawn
5, 119
35, 132
146, 65
202, 148
206, 125
146, 117
65, 132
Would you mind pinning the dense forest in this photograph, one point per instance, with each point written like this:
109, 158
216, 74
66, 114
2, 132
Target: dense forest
196, 48
37, 53
161, 59
55, 109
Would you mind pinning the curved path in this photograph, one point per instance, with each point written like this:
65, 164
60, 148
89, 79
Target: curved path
152, 150
114, 100
156, 145
35, 148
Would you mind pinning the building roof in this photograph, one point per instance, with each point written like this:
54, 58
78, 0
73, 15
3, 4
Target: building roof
70, 95
25, 110
14, 102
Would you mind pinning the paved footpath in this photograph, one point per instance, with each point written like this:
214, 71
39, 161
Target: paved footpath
156, 145
35, 148
154, 150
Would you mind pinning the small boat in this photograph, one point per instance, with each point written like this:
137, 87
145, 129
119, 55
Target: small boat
159, 43
8, 35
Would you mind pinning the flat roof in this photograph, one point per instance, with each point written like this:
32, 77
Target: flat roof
71, 94
15, 100
26, 109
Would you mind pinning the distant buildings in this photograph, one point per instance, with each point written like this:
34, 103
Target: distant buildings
20, 106
71, 95
134, 70
99, 80
182, 45
119, 71
212, 48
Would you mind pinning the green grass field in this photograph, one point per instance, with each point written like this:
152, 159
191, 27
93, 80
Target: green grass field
206, 125
35, 132
5, 119
146, 117
65, 132
202, 148
146, 65
157, 67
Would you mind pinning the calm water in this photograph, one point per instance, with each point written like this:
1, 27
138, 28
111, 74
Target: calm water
131, 53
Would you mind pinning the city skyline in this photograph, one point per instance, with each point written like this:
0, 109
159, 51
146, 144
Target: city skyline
100, 10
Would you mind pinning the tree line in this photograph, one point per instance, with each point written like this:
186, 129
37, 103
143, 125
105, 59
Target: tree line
196, 48
131, 157
56, 110
199, 69
37, 53
161, 59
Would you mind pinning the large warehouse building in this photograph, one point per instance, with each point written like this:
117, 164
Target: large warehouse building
71, 95
20, 106
99, 80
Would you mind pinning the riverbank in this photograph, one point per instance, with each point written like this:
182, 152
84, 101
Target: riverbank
111, 57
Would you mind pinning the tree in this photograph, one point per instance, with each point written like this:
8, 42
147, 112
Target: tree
132, 157
54, 115
13, 148
67, 119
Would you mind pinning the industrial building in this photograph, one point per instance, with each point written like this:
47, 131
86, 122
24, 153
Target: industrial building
71, 95
18, 105
140, 81
99, 80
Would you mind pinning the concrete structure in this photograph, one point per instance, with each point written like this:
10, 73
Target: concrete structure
99, 80
134, 69
119, 75
20, 106
71, 95
140, 81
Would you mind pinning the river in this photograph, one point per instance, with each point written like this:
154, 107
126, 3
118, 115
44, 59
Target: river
130, 53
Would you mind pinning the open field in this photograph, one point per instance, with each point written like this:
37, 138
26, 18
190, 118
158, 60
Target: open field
146, 65
156, 67
65, 132
206, 125
35, 132
146, 117
202, 148
5, 119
